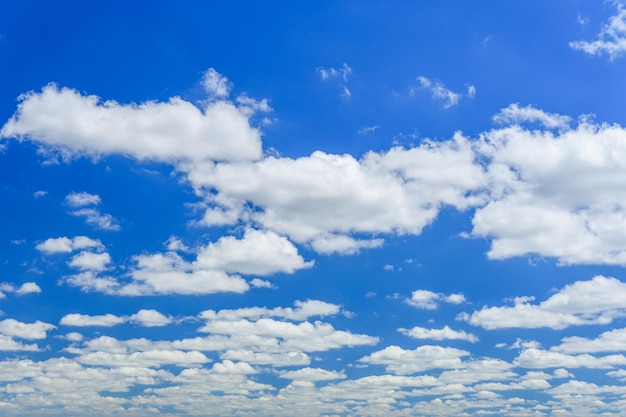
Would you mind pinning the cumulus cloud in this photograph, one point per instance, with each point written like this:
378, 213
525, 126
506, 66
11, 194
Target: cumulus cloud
90, 261
67, 245
312, 374
322, 199
439, 334
401, 361
514, 114
428, 300
611, 40
216, 268
74, 124
597, 301
555, 194
439, 92
258, 252
539, 359
215, 84
146, 318
81, 199
14, 328
25, 288
609, 341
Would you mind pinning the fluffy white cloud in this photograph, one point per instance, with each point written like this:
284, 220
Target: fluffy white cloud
401, 361
7, 343
67, 245
25, 288
303, 311
14, 328
428, 300
612, 37
597, 301
439, 92
83, 320
146, 318
82, 199
537, 358
439, 334
215, 84
258, 252
312, 374
150, 318
610, 341
514, 114
322, 199
90, 261
74, 124
558, 195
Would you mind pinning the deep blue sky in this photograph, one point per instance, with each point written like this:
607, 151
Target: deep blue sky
347, 208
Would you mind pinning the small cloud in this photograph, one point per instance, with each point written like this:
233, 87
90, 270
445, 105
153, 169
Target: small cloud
81, 199
388, 267
428, 300
514, 114
261, 283
341, 74
583, 21
439, 92
40, 193
97, 220
368, 129
215, 84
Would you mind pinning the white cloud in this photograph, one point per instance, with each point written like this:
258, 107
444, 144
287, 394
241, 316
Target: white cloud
303, 311
323, 198
90, 261
609, 341
514, 114
258, 252
428, 300
14, 328
341, 73
82, 199
401, 361
84, 320
558, 195
261, 283
67, 245
215, 84
74, 125
597, 301
40, 193
312, 374
439, 334
537, 358
94, 218
150, 318
7, 343
25, 288
439, 92
611, 40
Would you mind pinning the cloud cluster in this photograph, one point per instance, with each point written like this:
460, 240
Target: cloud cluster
553, 191
439, 92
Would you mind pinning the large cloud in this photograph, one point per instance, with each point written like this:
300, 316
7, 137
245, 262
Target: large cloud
597, 301
76, 124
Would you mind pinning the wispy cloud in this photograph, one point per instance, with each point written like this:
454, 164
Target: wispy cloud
611, 40
342, 74
439, 92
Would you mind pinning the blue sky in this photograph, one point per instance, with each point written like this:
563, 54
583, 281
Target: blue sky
321, 209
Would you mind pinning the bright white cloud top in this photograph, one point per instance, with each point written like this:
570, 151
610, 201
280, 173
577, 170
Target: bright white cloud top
419, 210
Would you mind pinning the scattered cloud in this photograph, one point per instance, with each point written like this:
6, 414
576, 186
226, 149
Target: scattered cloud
146, 318
82, 199
428, 300
611, 40
341, 74
439, 92
40, 193
25, 288
439, 334
514, 114
68, 245
368, 129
